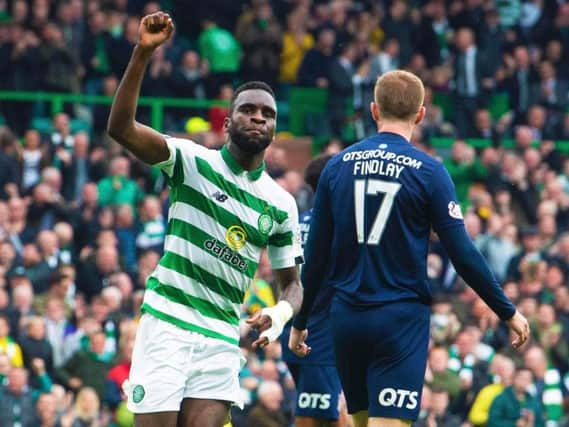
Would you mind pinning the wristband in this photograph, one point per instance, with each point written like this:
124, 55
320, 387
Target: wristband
279, 314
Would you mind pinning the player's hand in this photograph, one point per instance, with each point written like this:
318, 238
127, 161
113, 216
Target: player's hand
296, 342
519, 325
154, 30
260, 322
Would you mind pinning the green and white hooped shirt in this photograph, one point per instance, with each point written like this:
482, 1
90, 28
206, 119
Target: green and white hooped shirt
552, 397
220, 218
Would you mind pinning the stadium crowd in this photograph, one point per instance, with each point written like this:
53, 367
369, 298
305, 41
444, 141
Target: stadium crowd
82, 223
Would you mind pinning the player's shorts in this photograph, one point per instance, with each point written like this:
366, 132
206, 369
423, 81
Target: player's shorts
318, 391
381, 356
170, 364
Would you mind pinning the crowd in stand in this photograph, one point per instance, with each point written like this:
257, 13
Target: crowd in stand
82, 223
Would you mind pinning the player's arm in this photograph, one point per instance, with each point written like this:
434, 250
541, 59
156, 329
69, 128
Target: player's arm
466, 258
143, 141
317, 253
271, 321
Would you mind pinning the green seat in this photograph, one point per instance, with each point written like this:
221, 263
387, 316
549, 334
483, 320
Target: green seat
508, 143
562, 146
79, 125
283, 108
479, 142
442, 142
42, 124
306, 103
446, 102
499, 105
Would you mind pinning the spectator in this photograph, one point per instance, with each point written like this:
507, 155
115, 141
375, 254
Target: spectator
296, 42
36, 347
188, 80
85, 411
504, 370
261, 39
315, 67
222, 52
464, 167
34, 157
439, 376
549, 91
59, 65
8, 345
17, 399
549, 389
8, 171
266, 413
341, 88
118, 188
94, 273
88, 368
471, 79
95, 52
46, 409
118, 374
56, 326
515, 406
439, 414
153, 230
397, 25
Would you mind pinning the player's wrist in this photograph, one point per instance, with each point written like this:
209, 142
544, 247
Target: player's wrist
279, 314
144, 51
282, 312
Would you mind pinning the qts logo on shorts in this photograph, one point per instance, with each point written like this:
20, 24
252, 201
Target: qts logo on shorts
314, 400
398, 398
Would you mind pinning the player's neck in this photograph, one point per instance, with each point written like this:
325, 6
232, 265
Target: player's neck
246, 160
401, 128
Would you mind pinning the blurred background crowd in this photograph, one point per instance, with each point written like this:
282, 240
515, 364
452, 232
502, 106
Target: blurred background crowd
82, 223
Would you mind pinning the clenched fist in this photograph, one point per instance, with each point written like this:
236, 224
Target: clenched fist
154, 30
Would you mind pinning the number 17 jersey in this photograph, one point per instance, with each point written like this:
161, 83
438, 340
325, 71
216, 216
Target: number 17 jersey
377, 202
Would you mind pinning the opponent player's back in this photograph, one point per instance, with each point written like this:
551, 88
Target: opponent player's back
383, 196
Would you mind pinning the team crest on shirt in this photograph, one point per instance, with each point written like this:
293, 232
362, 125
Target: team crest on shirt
454, 210
265, 224
138, 393
236, 237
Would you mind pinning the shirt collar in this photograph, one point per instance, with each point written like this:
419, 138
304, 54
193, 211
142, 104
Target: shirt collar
236, 168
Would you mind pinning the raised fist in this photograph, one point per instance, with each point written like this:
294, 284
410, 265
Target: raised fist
154, 30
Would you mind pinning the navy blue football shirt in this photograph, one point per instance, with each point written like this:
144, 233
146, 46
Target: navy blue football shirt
375, 206
320, 339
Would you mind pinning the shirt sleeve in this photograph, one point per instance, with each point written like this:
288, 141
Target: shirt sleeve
317, 249
173, 167
284, 248
444, 210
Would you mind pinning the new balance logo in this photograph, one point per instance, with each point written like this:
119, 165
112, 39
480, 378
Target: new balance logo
219, 196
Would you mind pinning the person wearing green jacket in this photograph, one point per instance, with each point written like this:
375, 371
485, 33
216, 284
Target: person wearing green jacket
88, 368
464, 169
515, 406
223, 53
117, 188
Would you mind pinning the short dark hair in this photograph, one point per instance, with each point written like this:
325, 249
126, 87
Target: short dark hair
253, 85
55, 278
314, 169
399, 95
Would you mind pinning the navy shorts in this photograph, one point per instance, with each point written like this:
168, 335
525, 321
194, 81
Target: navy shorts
381, 356
318, 391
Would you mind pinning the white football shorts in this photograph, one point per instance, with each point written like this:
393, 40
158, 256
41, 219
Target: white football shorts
170, 364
